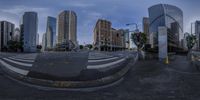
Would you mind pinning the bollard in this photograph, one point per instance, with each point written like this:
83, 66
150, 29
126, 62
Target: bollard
166, 60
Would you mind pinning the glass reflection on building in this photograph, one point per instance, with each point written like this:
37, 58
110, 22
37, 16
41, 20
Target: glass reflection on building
51, 32
169, 16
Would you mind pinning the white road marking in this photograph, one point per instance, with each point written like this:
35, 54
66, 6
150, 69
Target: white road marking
100, 60
105, 65
17, 70
19, 63
25, 58
20, 59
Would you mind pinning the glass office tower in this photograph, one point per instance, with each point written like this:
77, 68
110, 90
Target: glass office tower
51, 32
29, 28
169, 16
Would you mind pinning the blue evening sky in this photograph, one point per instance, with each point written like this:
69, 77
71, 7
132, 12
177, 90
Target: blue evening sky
119, 12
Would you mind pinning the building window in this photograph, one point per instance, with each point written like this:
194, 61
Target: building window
117, 35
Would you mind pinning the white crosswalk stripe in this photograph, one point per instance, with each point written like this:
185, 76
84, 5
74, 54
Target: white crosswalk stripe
21, 59
18, 63
14, 69
101, 60
93, 55
26, 56
106, 64
98, 60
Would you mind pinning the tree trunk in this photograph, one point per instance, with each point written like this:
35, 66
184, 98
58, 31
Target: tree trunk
141, 54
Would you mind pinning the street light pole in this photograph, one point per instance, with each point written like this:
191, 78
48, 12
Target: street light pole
136, 25
136, 30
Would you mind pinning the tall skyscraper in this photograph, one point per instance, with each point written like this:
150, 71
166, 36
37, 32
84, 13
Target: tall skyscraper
145, 22
51, 32
169, 16
67, 27
7, 33
29, 28
37, 39
197, 33
16, 36
44, 42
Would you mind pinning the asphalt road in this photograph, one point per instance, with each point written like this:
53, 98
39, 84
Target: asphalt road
65, 65
147, 80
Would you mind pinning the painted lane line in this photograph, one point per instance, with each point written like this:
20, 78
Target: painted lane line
25, 58
100, 60
21, 59
105, 65
19, 63
14, 69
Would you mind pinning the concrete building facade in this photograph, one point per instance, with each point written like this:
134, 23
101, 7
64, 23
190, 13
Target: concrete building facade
145, 22
37, 39
44, 42
16, 36
7, 33
67, 27
197, 33
107, 38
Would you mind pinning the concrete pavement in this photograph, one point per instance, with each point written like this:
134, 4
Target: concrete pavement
147, 80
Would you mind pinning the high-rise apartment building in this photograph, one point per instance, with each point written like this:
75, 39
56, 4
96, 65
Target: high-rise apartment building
44, 42
145, 22
16, 36
197, 33
51, 32
102, 35
107, 38
37, 39
67, 27
7, 33
29, 28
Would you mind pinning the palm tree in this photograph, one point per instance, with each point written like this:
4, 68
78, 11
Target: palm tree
191, 41
140, 40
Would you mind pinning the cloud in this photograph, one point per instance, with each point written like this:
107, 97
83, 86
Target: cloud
119, 12
83, 5
21, 9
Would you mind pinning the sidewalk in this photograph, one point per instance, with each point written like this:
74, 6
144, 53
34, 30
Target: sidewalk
182, 65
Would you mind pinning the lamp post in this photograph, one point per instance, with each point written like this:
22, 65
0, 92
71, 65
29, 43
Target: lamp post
139, 39
136, 26
136, 30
